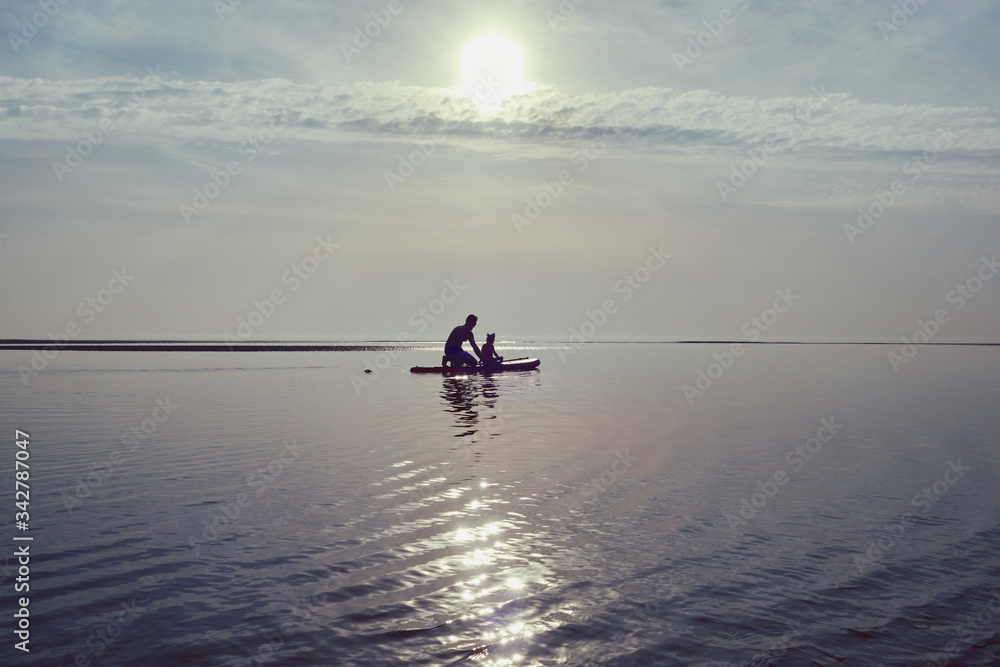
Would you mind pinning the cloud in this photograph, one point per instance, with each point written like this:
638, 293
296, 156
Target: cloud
653, 119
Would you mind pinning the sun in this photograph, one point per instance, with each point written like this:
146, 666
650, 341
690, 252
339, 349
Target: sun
492, 69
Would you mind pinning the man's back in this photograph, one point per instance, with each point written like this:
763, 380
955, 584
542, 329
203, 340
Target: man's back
458, 335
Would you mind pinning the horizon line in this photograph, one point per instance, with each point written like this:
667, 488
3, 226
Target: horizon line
180, 345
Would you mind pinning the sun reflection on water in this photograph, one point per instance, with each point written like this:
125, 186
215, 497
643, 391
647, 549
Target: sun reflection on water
491, 545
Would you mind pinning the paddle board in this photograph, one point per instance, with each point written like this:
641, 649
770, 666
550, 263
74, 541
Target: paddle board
523, 364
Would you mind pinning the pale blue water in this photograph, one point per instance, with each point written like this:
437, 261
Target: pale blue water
583, 514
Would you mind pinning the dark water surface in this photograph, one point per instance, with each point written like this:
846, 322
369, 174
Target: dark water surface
810, 507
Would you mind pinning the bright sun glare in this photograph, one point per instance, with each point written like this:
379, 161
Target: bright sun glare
492, 69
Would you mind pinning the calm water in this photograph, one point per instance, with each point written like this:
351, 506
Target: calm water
811, 507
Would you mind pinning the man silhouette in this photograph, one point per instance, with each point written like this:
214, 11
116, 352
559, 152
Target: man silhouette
453, 351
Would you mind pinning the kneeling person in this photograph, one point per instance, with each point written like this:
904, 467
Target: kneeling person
453, 351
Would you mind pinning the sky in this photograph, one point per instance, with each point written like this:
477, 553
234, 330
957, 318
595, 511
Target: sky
713, 170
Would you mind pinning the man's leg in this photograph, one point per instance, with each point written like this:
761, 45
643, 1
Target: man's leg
461, 358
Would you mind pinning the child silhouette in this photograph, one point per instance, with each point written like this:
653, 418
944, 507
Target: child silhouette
489, 353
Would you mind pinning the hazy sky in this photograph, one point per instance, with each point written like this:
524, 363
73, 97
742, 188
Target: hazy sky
217, 154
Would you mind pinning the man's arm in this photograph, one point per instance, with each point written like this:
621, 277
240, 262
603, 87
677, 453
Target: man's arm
475, 348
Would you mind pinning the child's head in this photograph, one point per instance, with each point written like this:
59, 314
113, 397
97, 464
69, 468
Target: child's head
490, 337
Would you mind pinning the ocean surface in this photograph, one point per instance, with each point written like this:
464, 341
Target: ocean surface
795, 505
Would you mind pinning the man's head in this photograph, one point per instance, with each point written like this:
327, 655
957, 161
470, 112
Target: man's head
471, 320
